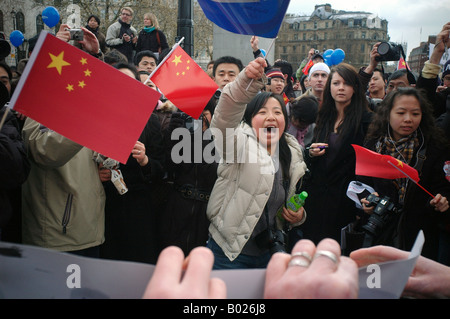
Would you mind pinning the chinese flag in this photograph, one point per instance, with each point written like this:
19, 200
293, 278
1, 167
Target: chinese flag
285, 98
308, 66
83, 98
184, 82
402, 64
369, 163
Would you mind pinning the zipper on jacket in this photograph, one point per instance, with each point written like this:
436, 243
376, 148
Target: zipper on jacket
67, 211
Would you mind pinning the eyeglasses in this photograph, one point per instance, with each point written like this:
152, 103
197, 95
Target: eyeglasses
126, 14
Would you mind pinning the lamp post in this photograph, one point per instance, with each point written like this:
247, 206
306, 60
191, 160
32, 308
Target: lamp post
185, 25
13, 15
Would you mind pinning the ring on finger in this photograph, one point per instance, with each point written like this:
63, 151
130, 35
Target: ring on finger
301, 259
328, 254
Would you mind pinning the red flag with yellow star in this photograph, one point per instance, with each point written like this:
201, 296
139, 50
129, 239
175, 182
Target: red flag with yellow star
369, 163
83, 98
402, 64
184, 82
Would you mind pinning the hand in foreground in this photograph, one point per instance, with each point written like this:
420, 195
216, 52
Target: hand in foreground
177, 278
429, 279
312, 272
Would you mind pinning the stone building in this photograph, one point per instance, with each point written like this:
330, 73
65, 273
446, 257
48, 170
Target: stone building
355, 32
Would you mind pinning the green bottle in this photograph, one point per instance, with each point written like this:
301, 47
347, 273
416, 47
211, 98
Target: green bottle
294, 203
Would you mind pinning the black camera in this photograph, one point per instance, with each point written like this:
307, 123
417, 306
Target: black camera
384, 210
389, 51
76, 34
186, 121
274, 240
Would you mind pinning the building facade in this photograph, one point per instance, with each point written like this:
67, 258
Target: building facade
326, 28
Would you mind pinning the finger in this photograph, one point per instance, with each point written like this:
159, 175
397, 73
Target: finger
198, 271
168, 268
276, 267
326, 256
217, 289
348, 273
377, 254
303, 250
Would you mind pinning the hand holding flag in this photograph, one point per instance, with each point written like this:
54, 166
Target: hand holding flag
82, 98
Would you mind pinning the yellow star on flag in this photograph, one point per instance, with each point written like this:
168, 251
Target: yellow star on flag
83, 61
81, 84
58, 62
177, 60
87, 72
399, 163
69, 87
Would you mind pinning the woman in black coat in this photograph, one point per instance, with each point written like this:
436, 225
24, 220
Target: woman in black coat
404, 128
343, 119
151, 37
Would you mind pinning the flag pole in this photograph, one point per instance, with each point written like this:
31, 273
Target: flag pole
164, 60
4, 117
267, 53
411, 179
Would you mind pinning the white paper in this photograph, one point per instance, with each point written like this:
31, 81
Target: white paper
28, 272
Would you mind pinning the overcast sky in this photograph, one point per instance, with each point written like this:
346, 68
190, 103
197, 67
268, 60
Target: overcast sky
410, 21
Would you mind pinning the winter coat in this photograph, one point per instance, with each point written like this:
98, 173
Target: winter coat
416, 214
63, 199
114, 40
14, 163
328, 205
149, 41
243, 187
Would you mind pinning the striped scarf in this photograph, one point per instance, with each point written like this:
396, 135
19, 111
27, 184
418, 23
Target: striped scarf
402, 150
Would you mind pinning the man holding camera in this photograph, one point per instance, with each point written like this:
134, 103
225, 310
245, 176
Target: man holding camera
121, 35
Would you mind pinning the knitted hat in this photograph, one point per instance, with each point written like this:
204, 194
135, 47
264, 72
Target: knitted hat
446, 69
319, 67
274, 73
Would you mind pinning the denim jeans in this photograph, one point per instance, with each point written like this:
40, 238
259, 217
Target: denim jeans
242, 261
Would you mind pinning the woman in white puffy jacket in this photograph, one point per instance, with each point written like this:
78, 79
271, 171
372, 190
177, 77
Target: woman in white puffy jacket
260, 168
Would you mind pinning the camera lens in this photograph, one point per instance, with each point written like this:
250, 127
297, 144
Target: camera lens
383, 48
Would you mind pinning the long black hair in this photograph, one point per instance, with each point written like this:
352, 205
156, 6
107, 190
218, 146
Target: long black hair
353, 113
253, 108
380, 124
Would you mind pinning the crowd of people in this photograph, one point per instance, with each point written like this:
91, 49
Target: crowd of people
292, 130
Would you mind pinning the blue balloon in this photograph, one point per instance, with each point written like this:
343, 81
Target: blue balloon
16, 38
327, 56
337, 56
50, 16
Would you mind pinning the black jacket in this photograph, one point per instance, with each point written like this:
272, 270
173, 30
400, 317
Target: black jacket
416, 213
14, 163
328, 207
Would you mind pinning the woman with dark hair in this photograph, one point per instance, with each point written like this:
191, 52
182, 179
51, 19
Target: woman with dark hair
259, 170
404, 128
342, 120
93, 25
